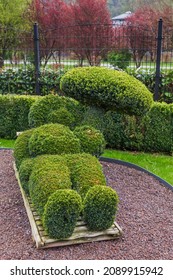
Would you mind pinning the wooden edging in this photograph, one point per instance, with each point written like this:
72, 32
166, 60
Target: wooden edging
80, 235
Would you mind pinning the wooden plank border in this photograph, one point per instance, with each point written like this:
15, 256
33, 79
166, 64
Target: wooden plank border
80, 235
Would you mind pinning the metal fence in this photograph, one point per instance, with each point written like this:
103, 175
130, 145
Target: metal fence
133, 48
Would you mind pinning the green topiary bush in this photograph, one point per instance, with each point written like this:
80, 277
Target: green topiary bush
157, 128
108, 89
100, 207
45, 180
61, 116
14, 114
55, 109
91, 140
61, 213
25, 172
53, 139
21, 149
85, 171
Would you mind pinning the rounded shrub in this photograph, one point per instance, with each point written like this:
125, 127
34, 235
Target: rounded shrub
85, 171
46, 180
107, 88
100, 207
53, 139
56, 109
25, 172
91, 140
61, 213
21, 149
62, 116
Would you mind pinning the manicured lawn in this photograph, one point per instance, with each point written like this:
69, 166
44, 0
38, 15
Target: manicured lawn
6, 143
160, 165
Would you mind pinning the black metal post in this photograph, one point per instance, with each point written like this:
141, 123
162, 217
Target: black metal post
37, 58
158, 59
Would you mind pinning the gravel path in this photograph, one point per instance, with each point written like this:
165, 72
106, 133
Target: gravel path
145, 215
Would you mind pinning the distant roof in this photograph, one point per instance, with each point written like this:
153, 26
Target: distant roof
122, 16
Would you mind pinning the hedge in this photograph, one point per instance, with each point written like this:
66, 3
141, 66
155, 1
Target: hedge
22, 81
107, 88
152, 132
14, 114
157, 128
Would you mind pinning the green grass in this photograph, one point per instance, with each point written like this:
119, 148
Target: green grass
4, 143
160, 165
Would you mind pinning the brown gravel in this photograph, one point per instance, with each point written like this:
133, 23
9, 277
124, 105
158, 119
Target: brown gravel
145, 215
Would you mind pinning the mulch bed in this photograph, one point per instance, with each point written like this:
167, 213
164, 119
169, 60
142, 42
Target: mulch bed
145, 215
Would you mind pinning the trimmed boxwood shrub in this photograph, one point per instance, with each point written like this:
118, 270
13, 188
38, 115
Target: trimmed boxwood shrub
21, 147
61, 213
107, 88
158, 128
53, 139
14, 114
85, 171
25, 172
55, 109
45, 180
91, 140
100, 207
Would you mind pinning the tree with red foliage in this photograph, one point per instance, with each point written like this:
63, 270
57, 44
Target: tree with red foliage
141, 29
52, 17
91, 31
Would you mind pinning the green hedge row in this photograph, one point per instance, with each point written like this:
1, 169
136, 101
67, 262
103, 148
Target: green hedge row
22, 81
151, 133
14, 111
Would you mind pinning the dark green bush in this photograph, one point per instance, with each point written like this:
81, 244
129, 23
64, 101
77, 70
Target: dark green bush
14, 114
158, 128
54, 108
108, 89
62, 116
25, 172
91, 140
21, 147
120, 59
45, 180
61, 213
22, 81
85, 171
100, 207
53, 139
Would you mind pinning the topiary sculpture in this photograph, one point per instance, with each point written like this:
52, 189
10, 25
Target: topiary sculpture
100, 206
107, 88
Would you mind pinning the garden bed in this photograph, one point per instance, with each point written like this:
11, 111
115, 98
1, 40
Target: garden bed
145, 214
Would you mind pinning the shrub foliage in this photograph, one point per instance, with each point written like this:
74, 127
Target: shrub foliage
107, 88
100, 207
61, 213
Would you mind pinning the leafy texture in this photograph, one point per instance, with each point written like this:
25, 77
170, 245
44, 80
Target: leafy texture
107, 88
100, 206
61, 213
53, 139
85, 171
91, 140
